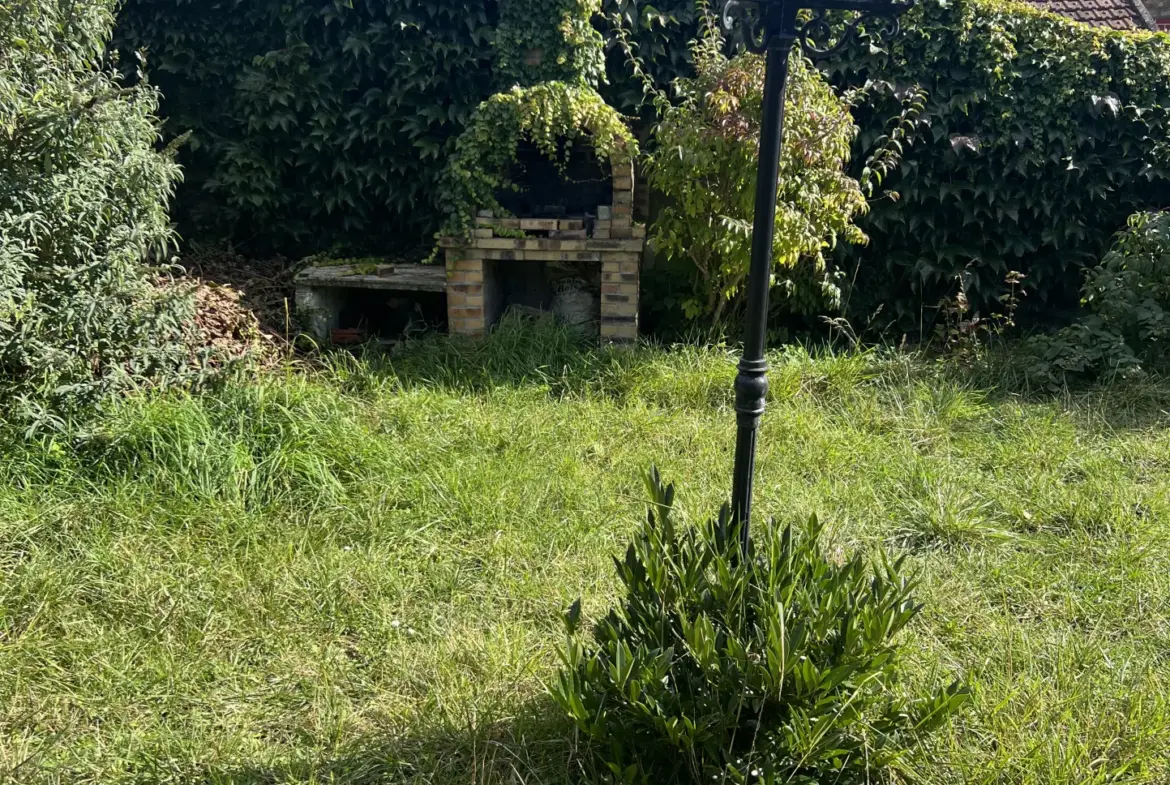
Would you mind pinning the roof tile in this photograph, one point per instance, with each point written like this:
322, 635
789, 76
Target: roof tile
1118, 14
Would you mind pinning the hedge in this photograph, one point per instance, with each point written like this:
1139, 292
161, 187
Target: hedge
1040, 137
313, 123
319, 123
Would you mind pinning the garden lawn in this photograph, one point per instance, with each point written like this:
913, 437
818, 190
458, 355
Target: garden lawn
356, 575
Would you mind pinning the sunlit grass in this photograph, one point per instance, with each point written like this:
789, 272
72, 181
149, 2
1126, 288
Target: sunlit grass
354, 575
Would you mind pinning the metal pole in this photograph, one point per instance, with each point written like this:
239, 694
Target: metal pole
751, 383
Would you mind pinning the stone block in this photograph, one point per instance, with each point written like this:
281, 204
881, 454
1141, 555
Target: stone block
466, 265
319, 310
553, 245
619, 333
621, 256
615, 276
499, 243
455, 277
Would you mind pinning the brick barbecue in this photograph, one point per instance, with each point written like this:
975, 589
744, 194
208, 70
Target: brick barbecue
610, 240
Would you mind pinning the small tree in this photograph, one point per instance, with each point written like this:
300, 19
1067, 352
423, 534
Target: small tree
705, 164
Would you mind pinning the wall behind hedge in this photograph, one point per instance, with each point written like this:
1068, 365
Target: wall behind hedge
1039, 138
322, 122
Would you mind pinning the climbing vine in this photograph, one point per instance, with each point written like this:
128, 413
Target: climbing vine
549, 41
1039, 136
551, 115
549, 61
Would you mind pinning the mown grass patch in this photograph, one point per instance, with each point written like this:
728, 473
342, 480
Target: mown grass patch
355, 574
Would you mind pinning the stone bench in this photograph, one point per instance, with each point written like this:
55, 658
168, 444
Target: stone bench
322, 292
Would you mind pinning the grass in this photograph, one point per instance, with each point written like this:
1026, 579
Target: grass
355, 575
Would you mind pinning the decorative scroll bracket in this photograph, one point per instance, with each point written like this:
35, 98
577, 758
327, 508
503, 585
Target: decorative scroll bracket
764, 24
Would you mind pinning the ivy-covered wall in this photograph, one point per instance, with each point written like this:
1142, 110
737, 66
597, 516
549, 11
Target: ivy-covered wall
1040, 137
313, 123
316, 123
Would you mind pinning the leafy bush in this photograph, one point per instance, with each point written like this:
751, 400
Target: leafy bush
83, 198
1128, 297
1039, 137
777, 668
705, 164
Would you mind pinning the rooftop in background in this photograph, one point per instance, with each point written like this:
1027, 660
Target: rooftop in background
1117, 14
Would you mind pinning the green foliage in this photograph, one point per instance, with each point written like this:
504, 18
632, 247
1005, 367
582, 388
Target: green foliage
775, 668
83, 200
705, 164
1128, 297
548, 41
1039, 137
549, 53
552, 115
658, 34
313, 123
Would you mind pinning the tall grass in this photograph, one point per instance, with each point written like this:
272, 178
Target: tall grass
354, 574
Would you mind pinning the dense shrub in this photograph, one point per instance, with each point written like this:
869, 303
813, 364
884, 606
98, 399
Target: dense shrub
1039, 137
776, 668
1128, 299
705, 164
83, 199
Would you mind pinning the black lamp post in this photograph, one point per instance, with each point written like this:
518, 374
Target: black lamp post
772, 27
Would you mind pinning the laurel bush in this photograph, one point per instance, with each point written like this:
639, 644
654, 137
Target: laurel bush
777, 667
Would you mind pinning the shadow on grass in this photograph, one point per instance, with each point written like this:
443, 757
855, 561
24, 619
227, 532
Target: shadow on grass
537, 747
541, 354
1140, 402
